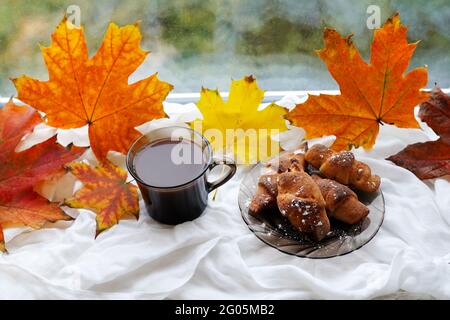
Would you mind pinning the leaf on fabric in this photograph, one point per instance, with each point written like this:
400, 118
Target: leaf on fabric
95, 91
240, 115
370, 93
20, 172
430, 159
106, 192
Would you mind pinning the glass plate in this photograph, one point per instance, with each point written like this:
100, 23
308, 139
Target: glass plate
277, 232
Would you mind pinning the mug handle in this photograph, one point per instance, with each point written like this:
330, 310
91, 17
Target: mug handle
210, 186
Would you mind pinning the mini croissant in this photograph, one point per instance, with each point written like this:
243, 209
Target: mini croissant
288, 162
343, 167
266, 194
340, 201
300, 201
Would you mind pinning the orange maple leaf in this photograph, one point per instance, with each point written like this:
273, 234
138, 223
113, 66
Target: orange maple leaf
95, 91
106, 192
371, 93
21, 172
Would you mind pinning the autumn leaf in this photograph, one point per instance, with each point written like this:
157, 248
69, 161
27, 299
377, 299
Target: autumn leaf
106, 192
95, 91
240, 115
29, 209
430, 159
436, 113
2, 240
20, 172
370, 93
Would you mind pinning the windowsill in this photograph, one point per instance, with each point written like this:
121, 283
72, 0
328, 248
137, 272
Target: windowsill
269, 96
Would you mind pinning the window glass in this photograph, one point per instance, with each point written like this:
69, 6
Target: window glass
208, 42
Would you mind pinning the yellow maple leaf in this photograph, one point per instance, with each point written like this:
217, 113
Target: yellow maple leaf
237, 126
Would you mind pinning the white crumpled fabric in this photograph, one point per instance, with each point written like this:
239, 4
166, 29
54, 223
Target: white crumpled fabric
217, 257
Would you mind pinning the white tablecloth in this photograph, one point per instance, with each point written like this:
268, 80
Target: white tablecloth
217, 257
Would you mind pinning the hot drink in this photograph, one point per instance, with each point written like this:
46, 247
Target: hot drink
168, 163
170, 166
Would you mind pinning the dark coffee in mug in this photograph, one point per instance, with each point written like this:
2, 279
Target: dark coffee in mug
167, 163
170, 166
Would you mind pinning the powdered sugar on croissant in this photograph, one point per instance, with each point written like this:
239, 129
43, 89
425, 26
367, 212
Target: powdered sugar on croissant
343, 167
340, 201
300, 201
266, 194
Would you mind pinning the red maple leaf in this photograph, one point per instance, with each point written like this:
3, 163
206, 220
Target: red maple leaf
20, 172
430, 159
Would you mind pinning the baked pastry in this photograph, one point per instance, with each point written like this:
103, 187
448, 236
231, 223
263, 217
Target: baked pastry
343, 167
266, 194
340, 201
300, 201
288, 162
308, 201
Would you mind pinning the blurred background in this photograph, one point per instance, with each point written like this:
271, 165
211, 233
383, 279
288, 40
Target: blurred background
208, 42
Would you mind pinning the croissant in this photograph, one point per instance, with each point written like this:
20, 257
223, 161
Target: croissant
266, 194
300, 201
343, 167
288, 162
340, 201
